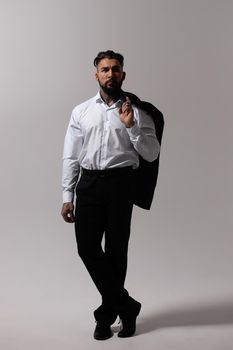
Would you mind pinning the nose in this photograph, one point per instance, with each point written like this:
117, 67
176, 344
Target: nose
110, 73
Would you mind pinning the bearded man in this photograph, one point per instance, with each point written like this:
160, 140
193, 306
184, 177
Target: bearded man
106, 136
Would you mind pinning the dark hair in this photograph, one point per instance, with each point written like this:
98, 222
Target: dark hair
108, 54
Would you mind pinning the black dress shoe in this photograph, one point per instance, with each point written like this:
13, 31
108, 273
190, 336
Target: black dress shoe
102, 331
128, 328
129, 323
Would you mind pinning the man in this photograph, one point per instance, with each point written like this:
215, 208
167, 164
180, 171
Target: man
106, 137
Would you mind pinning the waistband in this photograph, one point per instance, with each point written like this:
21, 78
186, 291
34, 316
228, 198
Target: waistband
108, 172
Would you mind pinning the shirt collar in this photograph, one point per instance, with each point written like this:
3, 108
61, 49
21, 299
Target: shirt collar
99, 99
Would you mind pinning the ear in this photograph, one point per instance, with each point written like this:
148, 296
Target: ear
96, 76
124, 75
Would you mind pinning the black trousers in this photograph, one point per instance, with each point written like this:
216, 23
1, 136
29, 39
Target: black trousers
104, 209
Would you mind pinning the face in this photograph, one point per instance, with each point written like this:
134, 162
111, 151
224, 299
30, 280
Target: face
110, 75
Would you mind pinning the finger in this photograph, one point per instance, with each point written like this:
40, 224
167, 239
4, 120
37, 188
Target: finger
71, 215
127, 104
68, 219
68, 215
126, 107
128, 99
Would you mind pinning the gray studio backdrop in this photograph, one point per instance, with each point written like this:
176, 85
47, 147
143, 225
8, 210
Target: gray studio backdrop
178, 55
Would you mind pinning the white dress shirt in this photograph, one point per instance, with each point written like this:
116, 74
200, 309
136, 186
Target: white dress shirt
97, 139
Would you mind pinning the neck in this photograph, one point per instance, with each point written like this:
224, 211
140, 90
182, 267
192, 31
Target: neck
110, 99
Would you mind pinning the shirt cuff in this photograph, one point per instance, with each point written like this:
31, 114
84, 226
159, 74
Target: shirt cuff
68, 196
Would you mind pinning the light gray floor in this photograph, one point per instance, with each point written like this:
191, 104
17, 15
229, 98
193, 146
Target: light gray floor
167, 326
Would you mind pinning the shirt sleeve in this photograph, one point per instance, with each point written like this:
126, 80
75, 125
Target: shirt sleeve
72, 147
143, 135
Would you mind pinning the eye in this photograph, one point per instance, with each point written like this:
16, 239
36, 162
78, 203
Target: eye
116, 69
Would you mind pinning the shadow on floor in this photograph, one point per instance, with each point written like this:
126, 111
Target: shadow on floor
193, 315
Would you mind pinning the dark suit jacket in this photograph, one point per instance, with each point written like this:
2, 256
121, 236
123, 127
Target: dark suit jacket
145, 176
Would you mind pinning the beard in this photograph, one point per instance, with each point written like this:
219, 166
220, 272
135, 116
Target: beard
112, 90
